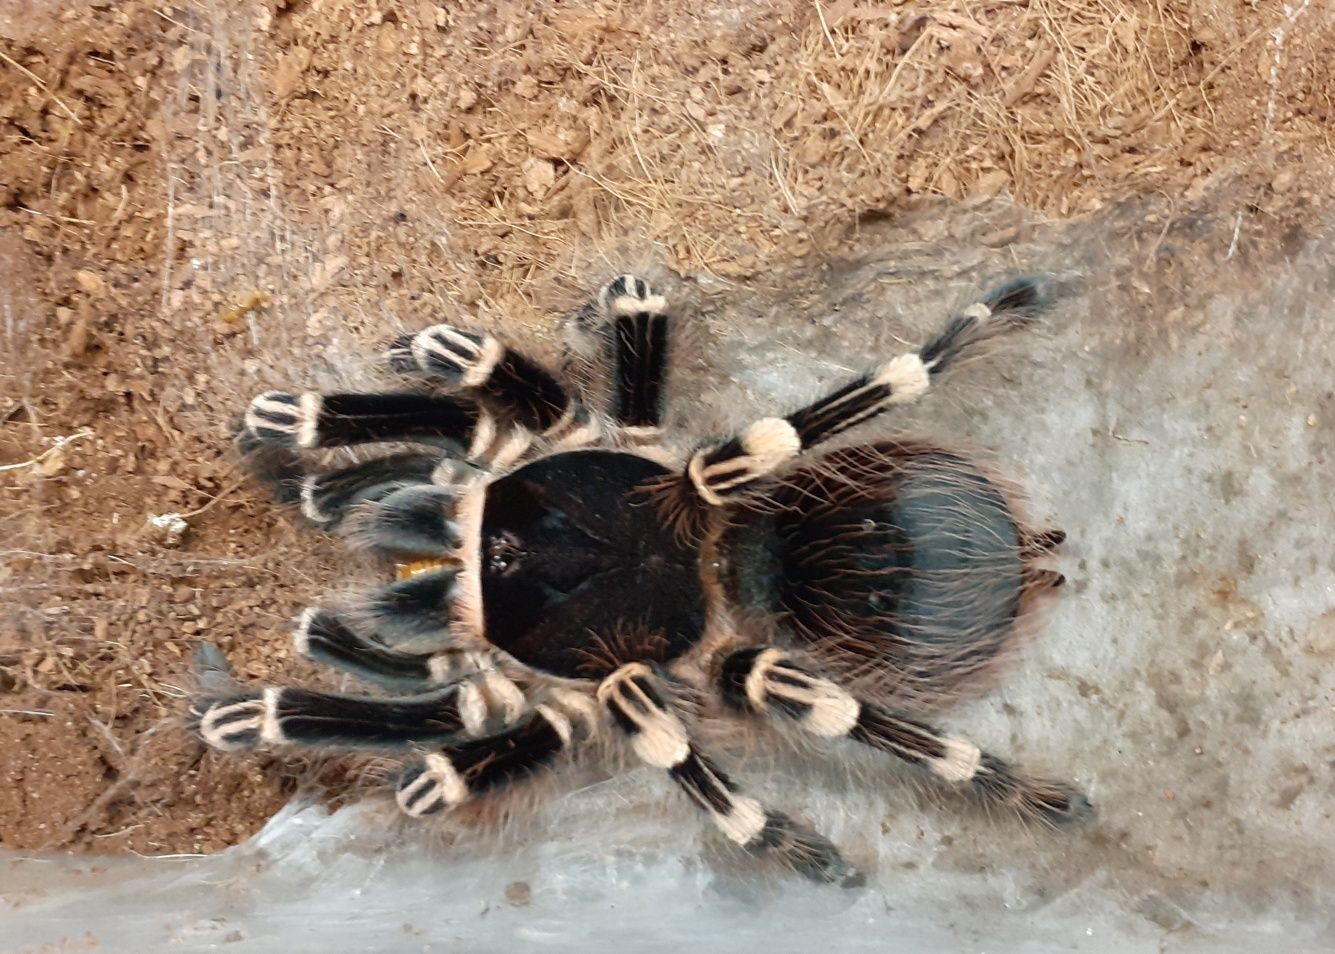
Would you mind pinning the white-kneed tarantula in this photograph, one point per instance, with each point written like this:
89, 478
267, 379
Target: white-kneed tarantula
571, 590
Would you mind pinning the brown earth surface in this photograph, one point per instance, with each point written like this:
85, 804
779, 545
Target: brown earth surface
200, 200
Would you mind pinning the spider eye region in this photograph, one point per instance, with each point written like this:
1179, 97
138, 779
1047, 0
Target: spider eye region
501, 553
577, 576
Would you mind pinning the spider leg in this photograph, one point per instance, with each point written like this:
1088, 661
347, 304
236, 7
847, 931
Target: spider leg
413, 609
324, 637
277, 422
401, 505
312, 420
732, 468
411, 521
327, 497
639, 322
302, 717
465, 769
769, 681
1036, 543
531, 394
658, 736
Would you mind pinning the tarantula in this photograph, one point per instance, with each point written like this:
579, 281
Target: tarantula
552, 591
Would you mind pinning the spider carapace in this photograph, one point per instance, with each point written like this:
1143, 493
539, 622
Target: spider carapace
566, 578
591, 567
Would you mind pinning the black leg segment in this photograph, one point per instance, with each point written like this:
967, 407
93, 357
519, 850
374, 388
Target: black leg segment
413, 521
415, 608
327, 497
462, 771
340, 420
641, 365
465, 769
302, 717
640, 350
324, 637
529, 393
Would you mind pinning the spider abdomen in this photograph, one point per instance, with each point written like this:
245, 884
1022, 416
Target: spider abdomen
579, 574
899, 561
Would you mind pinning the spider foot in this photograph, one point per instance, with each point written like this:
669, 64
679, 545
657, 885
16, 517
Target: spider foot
458, 357
279, 419
430, 787
629, 295
1064, 805
1054, 803
236, 722
808, 852
1036, 543
211, 668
